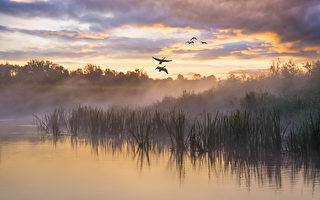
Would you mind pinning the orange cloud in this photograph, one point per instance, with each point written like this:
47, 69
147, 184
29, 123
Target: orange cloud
313, 48
269, 37
164, 28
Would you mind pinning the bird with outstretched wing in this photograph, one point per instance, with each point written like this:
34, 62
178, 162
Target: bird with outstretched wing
162, 69
161, 60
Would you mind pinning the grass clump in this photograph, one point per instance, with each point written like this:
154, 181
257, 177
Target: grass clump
52, 122
251, 131
306, 137
176, 124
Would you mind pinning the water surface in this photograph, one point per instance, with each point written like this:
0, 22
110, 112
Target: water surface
36, 167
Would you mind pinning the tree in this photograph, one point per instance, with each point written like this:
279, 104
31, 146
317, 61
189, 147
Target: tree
7, 72
109, 75
40, 71
92, 72
196, 76
180, 77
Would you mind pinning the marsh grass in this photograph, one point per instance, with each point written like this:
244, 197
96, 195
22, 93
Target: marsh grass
239, 129
140, 123
251, 131
306, 137
176, 125
52, 122
205, 133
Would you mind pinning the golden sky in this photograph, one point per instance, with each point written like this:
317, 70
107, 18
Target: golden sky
125, 34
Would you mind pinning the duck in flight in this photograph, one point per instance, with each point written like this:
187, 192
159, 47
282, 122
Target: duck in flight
161, 60
193, 38
190, 42
203, 42
162, 69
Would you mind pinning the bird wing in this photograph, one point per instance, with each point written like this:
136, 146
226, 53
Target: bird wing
166, 60
157, 59
166, 71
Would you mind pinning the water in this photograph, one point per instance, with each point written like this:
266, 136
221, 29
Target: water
35, 167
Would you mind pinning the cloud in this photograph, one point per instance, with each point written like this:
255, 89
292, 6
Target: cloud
233, 49
5, 29
281, 27
67, 45
35, 9
243, 50
64, 34
293, 20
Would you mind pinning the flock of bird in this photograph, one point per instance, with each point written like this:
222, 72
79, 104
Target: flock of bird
193, 39
160, 68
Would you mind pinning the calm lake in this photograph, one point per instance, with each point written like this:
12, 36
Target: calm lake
36, 167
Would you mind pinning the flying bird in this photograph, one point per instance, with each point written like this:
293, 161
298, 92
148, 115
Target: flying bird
193, 38
203, 42
190, 42
162, 69
161, 60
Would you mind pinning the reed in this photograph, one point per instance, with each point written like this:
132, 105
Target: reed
306, 137
140, 127
52, 122
176, 124
204, 133
259, 130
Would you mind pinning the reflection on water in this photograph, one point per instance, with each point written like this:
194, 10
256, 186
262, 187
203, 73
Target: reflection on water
264, 168
182, 173
0, 153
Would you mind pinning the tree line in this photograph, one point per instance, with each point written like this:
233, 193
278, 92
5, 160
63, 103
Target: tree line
46, 72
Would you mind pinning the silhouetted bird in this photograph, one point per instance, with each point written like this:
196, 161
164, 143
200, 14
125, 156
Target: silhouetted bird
162, 69
193, 38
203, 42
190, 42
161, 60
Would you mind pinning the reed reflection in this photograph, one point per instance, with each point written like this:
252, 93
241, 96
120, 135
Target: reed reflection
0, 153
245, 167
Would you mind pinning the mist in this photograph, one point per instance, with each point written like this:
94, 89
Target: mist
40, 86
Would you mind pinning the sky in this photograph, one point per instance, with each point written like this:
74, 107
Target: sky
242, 35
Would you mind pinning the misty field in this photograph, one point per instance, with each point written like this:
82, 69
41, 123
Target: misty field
277, 112
40, 86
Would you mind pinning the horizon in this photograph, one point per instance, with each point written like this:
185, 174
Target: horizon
124, 35
186, 76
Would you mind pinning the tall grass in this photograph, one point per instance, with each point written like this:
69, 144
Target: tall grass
206, 133
241, 129
52, 122
176, 124
251, 131
140, 123
306, 137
